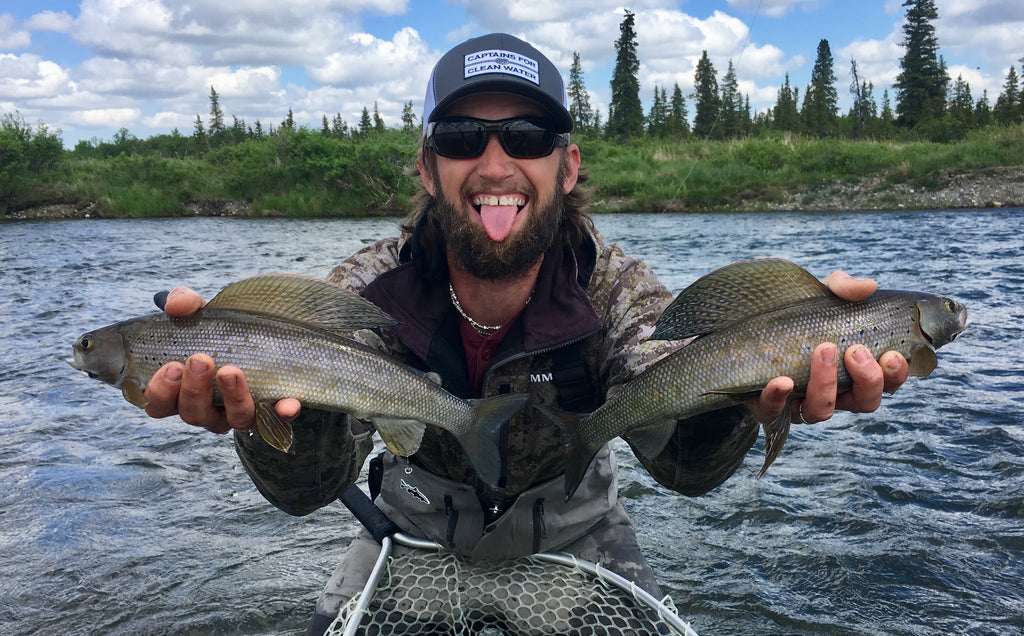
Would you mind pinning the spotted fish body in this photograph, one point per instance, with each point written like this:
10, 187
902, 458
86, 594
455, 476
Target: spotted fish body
755, 321
293, 350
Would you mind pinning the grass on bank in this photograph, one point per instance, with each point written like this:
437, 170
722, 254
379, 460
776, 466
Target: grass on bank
303, 173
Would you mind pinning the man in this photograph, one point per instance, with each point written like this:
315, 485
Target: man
500, 284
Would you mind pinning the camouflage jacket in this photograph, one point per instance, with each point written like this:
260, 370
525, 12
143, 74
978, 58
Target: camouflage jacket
593, 297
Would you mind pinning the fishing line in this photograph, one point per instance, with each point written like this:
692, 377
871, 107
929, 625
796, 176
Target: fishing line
718, 115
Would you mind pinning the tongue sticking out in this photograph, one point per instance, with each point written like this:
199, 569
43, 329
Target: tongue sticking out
498, 220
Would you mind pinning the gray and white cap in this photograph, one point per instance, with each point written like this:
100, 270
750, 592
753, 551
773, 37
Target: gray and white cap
497, 63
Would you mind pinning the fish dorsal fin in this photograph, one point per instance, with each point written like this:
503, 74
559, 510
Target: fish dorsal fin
301, 299
736, 292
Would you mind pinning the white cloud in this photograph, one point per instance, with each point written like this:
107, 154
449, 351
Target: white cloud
106, 117
50, 21
28, 76
12, 37
773, 8
364, 59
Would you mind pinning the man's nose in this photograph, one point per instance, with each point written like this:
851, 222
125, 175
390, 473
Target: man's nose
495, 162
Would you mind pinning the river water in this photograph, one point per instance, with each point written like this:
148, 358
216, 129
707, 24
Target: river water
906, 521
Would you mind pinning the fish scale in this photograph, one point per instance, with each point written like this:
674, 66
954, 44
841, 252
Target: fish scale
282, 360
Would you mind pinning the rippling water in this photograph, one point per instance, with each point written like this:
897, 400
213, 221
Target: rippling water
909, 520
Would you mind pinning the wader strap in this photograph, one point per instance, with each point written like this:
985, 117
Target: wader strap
572, 379
372, 518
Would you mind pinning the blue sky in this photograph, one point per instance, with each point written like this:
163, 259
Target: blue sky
92, 67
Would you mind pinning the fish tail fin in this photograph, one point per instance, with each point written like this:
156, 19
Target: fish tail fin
481, 439
776, 432
272, 428
578, 453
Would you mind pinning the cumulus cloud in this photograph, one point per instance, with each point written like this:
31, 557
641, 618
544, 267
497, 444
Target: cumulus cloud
773, 8
59, 22
12, 36
29, 76
107, 117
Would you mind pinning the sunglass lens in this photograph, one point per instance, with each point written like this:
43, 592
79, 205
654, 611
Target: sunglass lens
526, 140
459, 139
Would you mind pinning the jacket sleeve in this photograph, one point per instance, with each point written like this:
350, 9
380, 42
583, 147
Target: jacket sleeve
701, 452
329, 451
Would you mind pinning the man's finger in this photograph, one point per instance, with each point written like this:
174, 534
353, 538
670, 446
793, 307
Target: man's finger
195, 401
849, 288
162, 390
820, 401
239, 409
182, 301
868, 380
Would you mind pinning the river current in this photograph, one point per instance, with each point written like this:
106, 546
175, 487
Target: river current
909, 520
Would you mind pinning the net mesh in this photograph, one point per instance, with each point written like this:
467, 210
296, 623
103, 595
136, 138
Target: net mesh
427, 593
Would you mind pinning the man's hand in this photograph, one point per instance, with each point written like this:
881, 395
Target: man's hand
870, 378
187, 389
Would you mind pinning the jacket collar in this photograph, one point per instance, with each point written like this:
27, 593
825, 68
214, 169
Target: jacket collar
416, 295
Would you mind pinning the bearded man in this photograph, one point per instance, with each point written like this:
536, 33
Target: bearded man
501, 284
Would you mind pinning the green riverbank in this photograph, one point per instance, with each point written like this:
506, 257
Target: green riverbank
305, 174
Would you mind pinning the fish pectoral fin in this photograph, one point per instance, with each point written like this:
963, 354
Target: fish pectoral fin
922, 362
402, 437
651, 440
776, 431
134, 392
272, 428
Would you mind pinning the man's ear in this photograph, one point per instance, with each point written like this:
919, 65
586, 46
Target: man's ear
426, 178
572, 165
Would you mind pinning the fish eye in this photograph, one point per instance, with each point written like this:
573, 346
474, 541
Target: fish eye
950, 305
85, 342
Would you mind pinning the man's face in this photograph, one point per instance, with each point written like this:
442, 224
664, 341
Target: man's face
499, 214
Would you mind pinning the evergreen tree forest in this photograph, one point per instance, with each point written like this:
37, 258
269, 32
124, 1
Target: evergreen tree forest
334, 165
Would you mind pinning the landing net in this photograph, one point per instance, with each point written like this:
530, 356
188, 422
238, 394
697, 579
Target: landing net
428, 592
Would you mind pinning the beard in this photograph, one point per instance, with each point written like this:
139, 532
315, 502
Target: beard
484, 258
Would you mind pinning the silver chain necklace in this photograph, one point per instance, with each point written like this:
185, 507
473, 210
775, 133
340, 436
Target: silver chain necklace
483, 330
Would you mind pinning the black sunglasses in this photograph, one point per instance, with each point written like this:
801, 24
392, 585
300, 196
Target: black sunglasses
466, 138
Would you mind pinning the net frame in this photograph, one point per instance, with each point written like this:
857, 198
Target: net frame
351, 617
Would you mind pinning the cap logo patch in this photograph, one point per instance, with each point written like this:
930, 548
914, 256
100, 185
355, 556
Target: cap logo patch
499, 61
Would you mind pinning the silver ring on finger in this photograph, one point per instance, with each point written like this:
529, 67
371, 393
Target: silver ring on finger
800, 413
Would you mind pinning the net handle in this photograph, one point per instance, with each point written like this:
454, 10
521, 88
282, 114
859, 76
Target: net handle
373, 518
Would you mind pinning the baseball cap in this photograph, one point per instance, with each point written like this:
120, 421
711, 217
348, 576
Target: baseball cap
497, 63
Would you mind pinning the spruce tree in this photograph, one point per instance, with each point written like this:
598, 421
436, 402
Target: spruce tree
625, 113
863, 111
785, 115
961, 106
705, 83
408, 118
216, 128
731, 113
365, 124
1007, 110
921, 84
821, 101
678, 125
982, 111
579, 100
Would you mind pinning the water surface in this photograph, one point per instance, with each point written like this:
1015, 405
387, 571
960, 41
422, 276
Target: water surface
906, 521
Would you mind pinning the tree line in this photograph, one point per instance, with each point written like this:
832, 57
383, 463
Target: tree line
366, 159
929, 105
